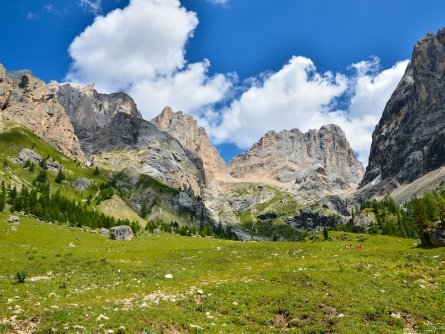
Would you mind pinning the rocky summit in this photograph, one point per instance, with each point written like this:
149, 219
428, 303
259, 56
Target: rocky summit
409, 140
315, 162
114, 135
27, 100
194, 138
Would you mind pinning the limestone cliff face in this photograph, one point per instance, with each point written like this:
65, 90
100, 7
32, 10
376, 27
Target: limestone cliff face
315, 162
194, 138
27, 100
409, 140
101, 121
111, 128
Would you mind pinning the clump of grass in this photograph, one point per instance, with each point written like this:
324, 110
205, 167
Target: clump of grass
20, 277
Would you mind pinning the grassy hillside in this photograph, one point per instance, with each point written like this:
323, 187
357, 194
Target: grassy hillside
14, 138
96, 285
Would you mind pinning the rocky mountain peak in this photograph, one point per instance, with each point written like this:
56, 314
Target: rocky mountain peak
194, 138
314, 162
27, 100
101, 121
409, 140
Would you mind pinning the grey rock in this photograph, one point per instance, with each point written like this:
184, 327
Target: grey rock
81, 183
194, 138
27, 100
13, 219
105, 231
313, 218
365, 221
27, 154
53, 165
113, 133
185, 201
123, 232
335, 203
409, 140
434, 236
315, 162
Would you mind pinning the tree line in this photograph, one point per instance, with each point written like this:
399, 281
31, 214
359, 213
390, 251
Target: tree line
38, 201
407, 220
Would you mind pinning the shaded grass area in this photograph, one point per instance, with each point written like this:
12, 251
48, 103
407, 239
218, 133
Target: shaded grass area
388, 286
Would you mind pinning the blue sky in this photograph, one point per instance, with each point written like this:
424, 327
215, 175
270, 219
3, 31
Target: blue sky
225, 56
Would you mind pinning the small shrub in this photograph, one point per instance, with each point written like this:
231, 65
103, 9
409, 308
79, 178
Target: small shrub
20, 277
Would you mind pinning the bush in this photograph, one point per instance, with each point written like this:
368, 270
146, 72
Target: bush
20, 277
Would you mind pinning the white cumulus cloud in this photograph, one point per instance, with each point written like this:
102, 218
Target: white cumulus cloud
141, 50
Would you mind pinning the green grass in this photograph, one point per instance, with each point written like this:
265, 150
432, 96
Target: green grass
14, 138
306, 287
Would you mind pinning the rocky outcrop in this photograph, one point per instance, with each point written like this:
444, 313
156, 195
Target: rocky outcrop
27, 100
114, 135
409, 140
123, 232
101, 121
434, 235
194, 138
314, 218
364, 221
316, 162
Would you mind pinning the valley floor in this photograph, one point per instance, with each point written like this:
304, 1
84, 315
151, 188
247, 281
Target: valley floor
79, 282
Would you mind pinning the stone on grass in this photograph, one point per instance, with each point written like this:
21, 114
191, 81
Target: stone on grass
81, 183
168, 276
13, 219
104, 231
123, 232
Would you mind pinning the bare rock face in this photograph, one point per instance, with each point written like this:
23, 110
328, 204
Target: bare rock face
434, 236
123, 232
315, 163
409, 140
27, 100
101, 121
194, 138
113, 133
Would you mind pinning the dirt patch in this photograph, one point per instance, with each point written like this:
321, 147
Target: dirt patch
281, 319
27, 326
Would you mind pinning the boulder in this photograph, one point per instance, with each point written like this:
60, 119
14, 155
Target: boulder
105, 231
13, 219
365, 220
27, 154
434, 236
123, 232
81, 183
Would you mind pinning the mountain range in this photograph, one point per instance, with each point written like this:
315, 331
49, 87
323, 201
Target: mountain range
285, 184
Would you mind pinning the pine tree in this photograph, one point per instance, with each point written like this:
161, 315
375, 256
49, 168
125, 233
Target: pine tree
325, 233
3, 197
144, 211
60, 176
42, 177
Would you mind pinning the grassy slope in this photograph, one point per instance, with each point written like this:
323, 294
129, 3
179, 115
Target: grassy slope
248, 287
14, 138
118, 208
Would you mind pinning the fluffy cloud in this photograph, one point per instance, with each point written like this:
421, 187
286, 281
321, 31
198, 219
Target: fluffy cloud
298, 96
141, 49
